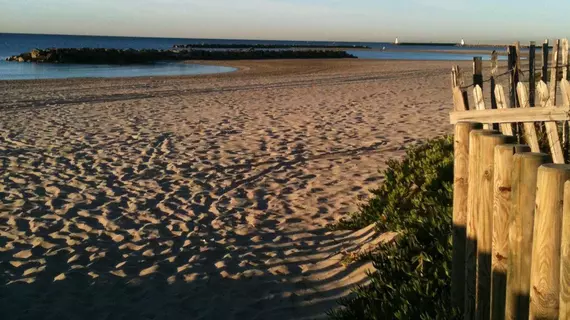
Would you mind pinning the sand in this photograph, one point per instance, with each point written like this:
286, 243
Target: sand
201, 197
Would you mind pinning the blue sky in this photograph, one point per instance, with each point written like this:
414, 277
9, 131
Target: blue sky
335, 20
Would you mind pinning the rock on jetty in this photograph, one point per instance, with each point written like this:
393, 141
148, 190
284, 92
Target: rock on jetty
267, 46
130, 56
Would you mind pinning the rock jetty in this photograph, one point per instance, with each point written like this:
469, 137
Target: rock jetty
131, 56
267, 46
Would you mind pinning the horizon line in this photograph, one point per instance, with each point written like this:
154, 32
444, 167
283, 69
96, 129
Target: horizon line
493, 42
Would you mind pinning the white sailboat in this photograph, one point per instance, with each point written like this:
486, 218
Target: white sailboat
397, 41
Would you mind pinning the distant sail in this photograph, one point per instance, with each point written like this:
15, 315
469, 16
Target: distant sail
397, 41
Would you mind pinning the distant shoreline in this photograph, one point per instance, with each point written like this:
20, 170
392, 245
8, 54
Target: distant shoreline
446, 44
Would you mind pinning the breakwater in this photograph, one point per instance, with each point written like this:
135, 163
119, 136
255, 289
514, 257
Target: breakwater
123, 57
267, 46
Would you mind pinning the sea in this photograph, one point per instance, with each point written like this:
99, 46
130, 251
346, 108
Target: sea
14, 44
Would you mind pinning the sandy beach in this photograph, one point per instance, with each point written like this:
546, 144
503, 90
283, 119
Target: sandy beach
203, 197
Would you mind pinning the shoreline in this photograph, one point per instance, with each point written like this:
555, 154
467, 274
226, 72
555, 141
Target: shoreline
243, 65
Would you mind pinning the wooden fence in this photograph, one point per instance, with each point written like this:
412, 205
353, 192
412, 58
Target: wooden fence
511, 210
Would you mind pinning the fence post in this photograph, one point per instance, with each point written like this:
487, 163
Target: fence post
545, 50
479, 101
473, 209
554, 74
550, 126
565, 129
517, 61
532, 73
506, 128
460, 189
455, 76
521, 224
504, 162
456, 83
513, 85
545, 269
517, 66
485, 182
513, 80
478, 71
564, 54
565, 258
530, 134
494, 68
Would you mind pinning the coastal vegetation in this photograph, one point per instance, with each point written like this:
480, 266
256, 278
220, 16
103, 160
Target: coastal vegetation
412, 277
268, 46
145, 56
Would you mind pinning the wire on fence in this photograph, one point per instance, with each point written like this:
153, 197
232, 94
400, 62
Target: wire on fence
509, 71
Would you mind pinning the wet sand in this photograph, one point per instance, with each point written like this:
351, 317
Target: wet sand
202, 197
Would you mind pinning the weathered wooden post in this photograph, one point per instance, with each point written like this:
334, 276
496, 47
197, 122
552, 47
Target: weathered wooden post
513, 81
530, 134
516, 67
478, 71
460, 189
458, 92
554, 74
545, 51
494, 69
485, 220
454, 77
518, 61
521, 224
532, 73
550, 126
474, 206
545, 269
504, 162
565, 90
512, 76
565, 257
564, 58
479, 101
506, 128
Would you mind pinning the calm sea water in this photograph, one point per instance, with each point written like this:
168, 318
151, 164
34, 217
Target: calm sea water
13, 44
26, 71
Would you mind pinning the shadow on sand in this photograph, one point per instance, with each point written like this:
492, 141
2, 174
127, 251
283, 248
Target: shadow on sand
119, 286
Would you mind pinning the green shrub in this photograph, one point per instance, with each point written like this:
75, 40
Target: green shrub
412, 280
418, 187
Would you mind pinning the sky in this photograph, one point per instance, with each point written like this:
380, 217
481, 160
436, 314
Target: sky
482, 21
